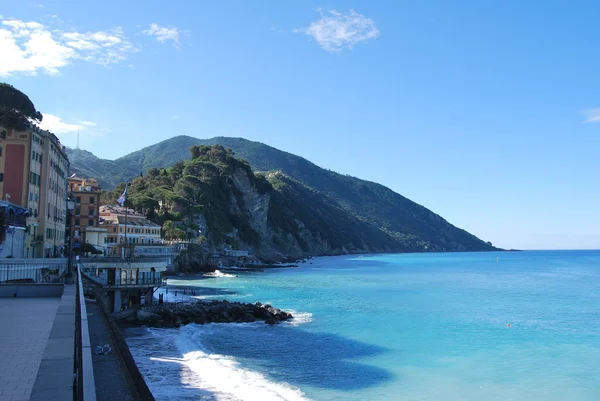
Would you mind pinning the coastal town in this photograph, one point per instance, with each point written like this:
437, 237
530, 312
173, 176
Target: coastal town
74, 267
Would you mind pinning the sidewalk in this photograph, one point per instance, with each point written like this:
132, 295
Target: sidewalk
26, 324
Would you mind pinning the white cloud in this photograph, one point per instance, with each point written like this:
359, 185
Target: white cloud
592, 115
164, 34
57, 126
29, 47
338, 31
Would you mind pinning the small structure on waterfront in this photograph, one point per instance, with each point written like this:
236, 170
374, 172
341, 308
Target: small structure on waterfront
128, 281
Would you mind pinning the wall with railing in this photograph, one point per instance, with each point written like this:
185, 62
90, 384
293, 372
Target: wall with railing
111, 277
33, 270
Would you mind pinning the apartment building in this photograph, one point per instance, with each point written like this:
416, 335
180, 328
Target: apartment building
85, 193
33, 174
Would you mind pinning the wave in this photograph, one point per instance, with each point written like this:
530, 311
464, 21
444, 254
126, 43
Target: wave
224, 377
299, 318
218, 273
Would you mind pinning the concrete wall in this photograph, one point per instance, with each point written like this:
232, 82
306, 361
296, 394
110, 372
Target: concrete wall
31, 290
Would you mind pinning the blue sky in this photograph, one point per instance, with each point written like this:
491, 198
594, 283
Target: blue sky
488, 113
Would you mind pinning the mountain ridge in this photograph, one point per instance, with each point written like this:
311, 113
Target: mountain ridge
409, 223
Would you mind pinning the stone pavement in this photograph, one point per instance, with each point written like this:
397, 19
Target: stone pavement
55, 378
25, 325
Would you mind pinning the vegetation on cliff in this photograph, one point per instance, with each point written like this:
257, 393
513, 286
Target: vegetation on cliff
217, 200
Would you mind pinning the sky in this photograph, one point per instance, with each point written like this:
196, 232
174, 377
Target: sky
486, 112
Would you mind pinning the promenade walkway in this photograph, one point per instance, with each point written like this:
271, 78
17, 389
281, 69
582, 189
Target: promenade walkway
26, 324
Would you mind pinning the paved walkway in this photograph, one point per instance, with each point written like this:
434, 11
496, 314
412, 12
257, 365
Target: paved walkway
55, 379
25, 327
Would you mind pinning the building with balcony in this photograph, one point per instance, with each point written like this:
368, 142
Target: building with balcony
33, 168
53, 209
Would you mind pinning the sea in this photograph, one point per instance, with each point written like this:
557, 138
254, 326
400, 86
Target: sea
435, 326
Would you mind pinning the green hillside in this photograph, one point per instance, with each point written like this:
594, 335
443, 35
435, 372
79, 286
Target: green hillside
412, 225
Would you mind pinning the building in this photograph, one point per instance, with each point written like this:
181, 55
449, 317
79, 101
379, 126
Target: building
126, 226
53, 208
85, 214
33, 169
128, 283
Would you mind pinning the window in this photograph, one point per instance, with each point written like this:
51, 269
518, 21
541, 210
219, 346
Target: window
77, 211
92, 200
114, 229
90, 222
0, 150
76, 222
1, 177
30, 196
36, 197
32, 155
78, 199
91, 212
120, 229
3, 135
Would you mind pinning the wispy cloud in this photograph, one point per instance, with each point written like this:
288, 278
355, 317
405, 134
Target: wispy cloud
56, 125
175, 117
30, 47
338, 31
164, 34
592, 115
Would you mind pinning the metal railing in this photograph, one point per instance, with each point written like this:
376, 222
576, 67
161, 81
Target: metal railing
85, 383
23, 271
117, 281
117, 259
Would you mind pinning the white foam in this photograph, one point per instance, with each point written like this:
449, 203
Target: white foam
225, 378
299, 318
218, 273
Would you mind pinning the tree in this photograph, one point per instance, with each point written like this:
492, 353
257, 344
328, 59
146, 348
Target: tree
16, 110
168, 230
152, 173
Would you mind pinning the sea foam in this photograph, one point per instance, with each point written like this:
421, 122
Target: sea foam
218, 273
224, 376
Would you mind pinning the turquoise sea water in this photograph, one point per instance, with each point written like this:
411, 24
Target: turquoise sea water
394, 327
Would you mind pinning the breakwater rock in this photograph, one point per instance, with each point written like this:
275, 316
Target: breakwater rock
165, 315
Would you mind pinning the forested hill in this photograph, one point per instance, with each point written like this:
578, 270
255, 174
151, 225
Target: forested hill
412, 226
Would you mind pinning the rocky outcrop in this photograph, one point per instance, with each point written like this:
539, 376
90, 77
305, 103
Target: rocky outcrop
209, 312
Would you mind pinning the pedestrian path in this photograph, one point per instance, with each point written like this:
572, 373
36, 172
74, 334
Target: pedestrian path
26, 325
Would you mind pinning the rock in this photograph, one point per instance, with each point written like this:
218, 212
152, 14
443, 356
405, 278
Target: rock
271, 321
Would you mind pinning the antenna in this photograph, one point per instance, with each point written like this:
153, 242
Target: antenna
77, 139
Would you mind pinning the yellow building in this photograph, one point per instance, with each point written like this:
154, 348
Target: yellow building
53, 208
128, 227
